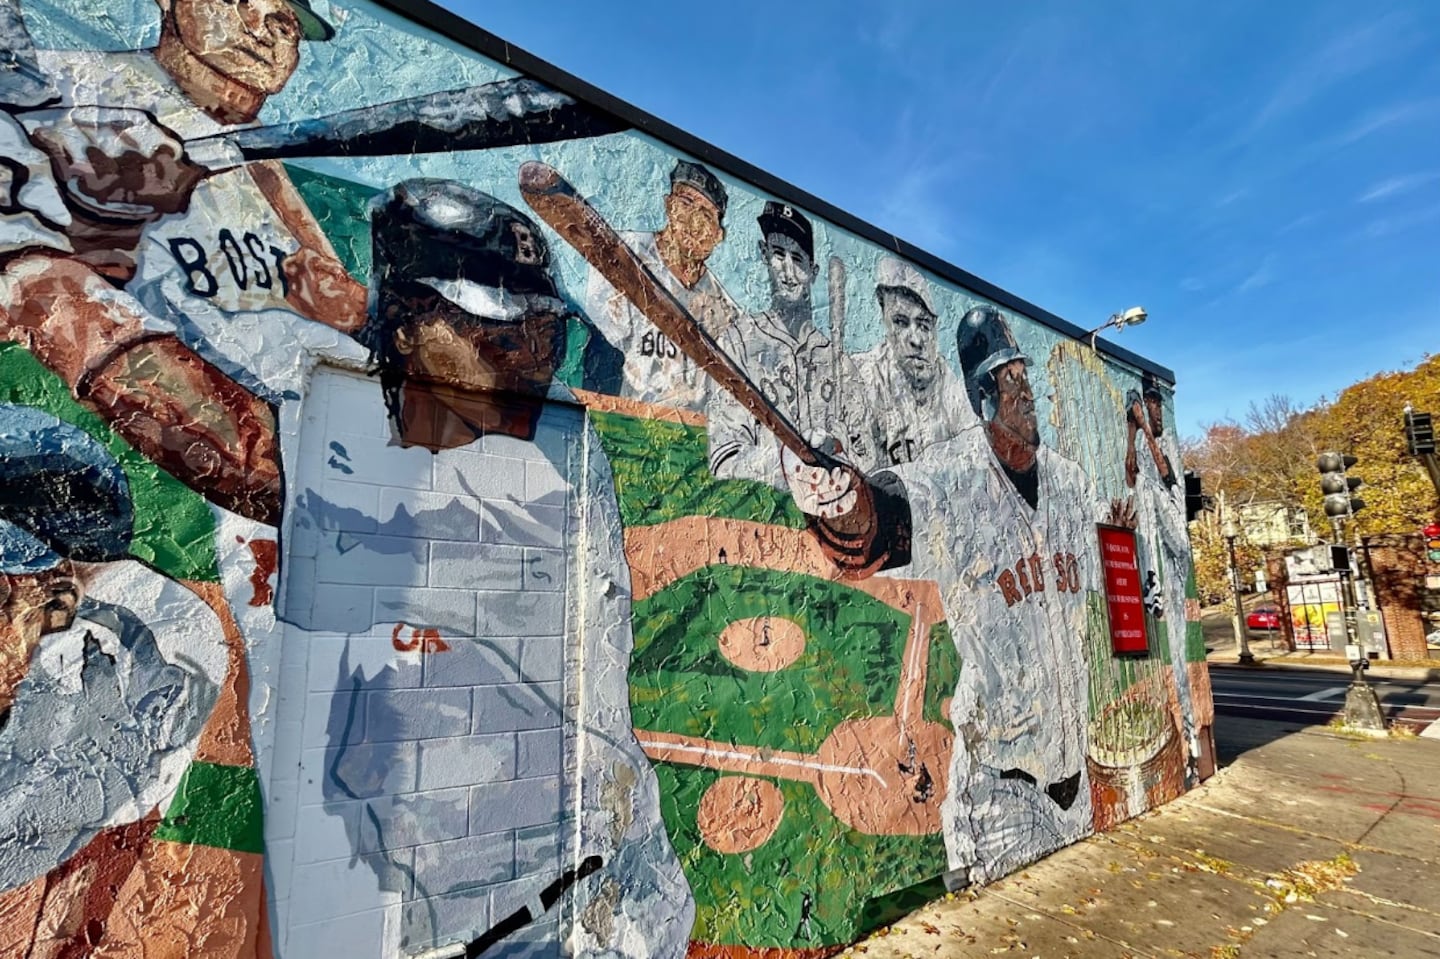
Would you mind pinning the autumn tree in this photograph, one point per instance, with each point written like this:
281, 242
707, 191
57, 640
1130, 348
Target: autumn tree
1269, 457
1366, 421
1211, 555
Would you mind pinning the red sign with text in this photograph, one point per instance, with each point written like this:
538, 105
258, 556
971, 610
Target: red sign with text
1123, 596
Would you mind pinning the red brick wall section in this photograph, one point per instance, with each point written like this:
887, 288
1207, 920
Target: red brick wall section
1397, 568
1278, 578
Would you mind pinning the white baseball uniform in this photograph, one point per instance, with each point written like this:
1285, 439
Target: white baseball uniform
906, 422
212, 274
1165, 544
64, 776
1015, 583
816, 388
656, 370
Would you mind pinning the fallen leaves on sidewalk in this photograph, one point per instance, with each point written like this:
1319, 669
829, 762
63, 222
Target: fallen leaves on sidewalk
1304, 881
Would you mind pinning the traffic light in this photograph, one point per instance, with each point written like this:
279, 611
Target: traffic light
1337, 487
1194, 496
1419, 433
1432, 542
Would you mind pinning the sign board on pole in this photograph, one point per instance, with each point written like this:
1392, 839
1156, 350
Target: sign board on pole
1311, 602
1335, 630
1123, 595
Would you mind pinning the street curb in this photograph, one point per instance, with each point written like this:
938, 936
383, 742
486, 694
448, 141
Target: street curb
1378, 672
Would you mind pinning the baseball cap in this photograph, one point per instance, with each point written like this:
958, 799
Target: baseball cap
312, 27
64, 497
695, 175
896, 274
784, 219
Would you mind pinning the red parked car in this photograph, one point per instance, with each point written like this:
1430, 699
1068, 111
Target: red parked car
1263, 617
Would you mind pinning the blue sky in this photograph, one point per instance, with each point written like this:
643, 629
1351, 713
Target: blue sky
1263, 177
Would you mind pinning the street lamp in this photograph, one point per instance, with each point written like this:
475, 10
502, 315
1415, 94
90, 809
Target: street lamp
1131, 317
1242, 640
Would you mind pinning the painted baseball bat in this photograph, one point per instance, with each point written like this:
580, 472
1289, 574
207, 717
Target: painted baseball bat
500, 114
582, 226
22, 84
835, 286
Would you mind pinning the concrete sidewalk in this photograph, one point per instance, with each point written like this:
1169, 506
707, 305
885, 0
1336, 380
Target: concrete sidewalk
1309, 844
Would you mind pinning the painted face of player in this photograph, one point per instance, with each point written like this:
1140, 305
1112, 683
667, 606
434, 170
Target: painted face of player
791, 271
910, 330
1156, 412
1015, 405
255, 43
32, 606
694, 220
482, 356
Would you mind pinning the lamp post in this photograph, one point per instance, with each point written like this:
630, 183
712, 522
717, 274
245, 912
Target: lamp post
1242, 640
1131, 317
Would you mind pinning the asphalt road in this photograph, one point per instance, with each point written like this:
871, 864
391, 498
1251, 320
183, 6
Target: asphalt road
1314, 698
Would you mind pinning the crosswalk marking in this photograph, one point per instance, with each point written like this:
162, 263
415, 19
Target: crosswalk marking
1332, 692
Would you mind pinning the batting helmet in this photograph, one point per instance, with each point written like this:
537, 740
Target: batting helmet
434, 237
64, 497
440, 231
986, 344
447, 251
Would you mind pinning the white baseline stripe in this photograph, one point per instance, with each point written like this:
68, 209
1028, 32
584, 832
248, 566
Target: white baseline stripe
756, 757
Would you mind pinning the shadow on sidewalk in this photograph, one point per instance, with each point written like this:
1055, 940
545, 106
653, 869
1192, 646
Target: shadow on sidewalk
1237, 735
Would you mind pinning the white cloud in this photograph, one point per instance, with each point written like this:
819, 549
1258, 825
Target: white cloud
1344, 56
1262, 276
1377, 120
1396, 185
1388, 225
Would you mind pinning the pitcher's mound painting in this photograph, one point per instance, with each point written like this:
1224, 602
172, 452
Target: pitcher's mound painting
798, 723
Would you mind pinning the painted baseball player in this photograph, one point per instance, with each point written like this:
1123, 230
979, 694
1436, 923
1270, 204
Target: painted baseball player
235, 253
100, 709
918, 399
1007, 528
212, 267
1160, 509
655, 370
803, 373
467, 328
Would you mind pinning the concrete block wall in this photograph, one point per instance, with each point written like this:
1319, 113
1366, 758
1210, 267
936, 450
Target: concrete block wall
443, 767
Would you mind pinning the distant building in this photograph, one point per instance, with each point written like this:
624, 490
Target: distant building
1274, 524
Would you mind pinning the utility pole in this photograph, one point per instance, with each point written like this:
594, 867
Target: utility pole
1362, 706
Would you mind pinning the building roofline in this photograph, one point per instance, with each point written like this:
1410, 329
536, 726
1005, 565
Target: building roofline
462, 31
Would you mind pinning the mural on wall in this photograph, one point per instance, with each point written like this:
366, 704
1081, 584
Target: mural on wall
434, 515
